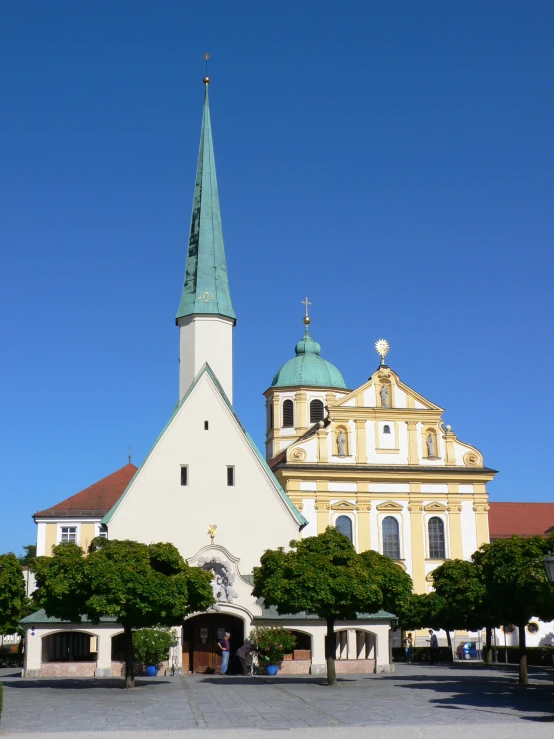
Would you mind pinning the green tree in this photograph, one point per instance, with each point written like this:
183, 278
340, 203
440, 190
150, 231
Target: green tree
396, 585
461, 597
138, 585
515, 581
322, 574
12, 593
30, 554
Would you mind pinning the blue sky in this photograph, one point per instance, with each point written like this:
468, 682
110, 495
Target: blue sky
392, 161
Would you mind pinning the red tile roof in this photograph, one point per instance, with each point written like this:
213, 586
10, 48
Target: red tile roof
523, 519
94, 501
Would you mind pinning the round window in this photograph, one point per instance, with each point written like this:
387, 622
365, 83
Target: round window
532, 628
509, 629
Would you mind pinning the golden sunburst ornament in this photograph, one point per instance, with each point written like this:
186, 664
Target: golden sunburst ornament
382, 348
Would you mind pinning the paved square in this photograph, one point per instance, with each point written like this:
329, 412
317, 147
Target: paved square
415, 696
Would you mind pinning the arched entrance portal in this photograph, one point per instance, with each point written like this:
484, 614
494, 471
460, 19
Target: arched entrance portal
200, 636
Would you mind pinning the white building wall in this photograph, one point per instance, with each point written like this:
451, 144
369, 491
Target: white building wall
206, 338
469, 531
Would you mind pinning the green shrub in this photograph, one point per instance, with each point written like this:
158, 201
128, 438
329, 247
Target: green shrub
272, 643
152, 645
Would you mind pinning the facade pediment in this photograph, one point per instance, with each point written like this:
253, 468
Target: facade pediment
390, 505
434, 506
343, 505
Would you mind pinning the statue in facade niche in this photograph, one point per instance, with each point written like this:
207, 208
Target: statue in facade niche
384, 396
341, 443
430, 445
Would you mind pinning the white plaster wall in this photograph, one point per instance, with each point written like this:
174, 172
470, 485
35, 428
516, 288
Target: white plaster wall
399, 398
388, 488
434, 489
350, 403
370, 399
41, 539
419, 405
308, 486
459, 451
465, 488
343, 487
310, 514
206, 339
402, 442
311, 449
251, 516
387, 441
469, 532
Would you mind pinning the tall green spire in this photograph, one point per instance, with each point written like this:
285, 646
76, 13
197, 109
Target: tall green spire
206, 288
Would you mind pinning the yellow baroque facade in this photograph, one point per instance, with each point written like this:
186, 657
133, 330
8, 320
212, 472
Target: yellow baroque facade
378, 463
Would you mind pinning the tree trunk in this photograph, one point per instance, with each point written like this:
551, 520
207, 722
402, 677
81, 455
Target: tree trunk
523, 679
488, 645
330, 649
449, 641
129, 657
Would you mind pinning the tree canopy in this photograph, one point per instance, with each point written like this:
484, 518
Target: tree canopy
395, 584
13, 599
138, 585
513, 576
322, 574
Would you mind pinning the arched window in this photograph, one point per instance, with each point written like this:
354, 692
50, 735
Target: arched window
288, 413
386, 429
391, 538
344, 525
436, 538
316, 411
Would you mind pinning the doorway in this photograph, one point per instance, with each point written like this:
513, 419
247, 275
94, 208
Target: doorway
201, 634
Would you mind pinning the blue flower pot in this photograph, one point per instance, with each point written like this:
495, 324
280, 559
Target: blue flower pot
271, 669
151, 670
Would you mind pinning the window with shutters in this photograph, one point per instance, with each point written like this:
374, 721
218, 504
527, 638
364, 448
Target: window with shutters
288, 413
436, 538
391, 538
316, 411
344, 525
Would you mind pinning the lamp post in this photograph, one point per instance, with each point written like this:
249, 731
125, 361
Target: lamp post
548, 563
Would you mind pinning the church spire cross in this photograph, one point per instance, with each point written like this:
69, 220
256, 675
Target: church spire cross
307, 318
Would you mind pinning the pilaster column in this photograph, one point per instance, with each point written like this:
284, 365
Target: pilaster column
481, 509
450, 453
301, 415
413, 457
104, 654
351, 646
455, 522
322, 505
361, 449
364, 508
418, 540
323, 445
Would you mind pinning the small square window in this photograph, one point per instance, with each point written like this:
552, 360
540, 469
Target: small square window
103, 531
68, 533
230, 476
184, 474
206, 425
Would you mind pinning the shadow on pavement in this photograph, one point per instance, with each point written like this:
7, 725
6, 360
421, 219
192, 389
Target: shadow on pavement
64, 683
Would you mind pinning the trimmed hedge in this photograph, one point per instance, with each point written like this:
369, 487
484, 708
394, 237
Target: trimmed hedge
537, 656
11, 659
421, 654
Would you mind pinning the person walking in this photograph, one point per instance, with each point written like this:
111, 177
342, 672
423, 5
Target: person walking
433, 647
408, 648
242, 653
225, 647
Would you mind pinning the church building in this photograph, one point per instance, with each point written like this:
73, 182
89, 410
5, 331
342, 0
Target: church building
219, 502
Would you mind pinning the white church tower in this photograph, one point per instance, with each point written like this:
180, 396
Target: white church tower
206, 317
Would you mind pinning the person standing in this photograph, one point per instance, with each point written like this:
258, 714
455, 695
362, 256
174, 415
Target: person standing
242, 654
225, 647
408, 648
433, 647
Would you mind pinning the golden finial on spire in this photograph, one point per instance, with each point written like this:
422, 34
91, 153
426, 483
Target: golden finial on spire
382, 348
307, 318
212, 531
206, 78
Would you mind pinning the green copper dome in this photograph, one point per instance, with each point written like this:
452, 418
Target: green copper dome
308, 368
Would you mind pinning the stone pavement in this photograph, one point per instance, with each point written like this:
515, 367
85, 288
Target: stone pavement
459, 701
